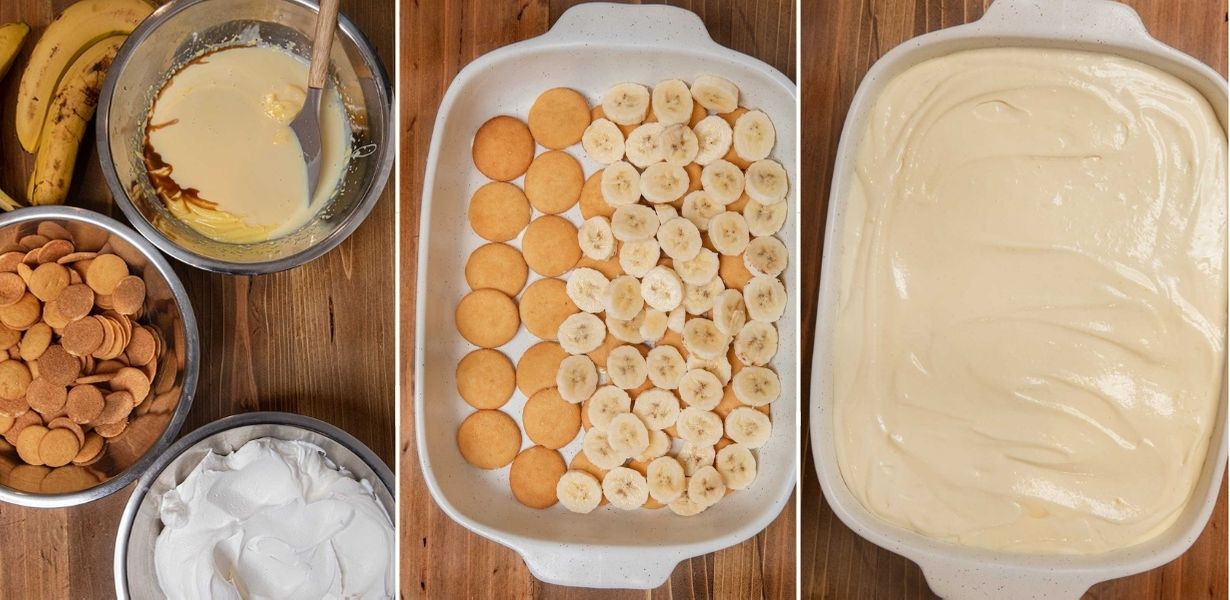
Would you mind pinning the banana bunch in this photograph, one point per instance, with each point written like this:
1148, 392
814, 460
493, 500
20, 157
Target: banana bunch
11, 37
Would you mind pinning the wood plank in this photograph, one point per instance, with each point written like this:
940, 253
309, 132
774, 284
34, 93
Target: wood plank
841, 41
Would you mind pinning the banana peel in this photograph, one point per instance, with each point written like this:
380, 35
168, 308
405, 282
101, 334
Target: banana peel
7, 203
70, 112
11, 37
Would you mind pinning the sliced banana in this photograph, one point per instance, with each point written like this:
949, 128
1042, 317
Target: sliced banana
748, 427
764, 219
765, 298
662, 289
736, 465
653, 327
701, 427
716, 94
706, 487
627, 435
713, 139
581, 333
699, 299
692, 457
672, 102
665, 212
605, 404
685, 507
663, 182
666, 366
700, 389
621, 184
755, 344
723, 181
578, 491
595, 238
659, 445
678, 317
703, 338
657, 408
729, 313
679, 238
765, 256
625, 488
666, 479
699, 207
700, 269
637, 258
603, 141
585, 288
577, 378
597, 448
766, 182
633, 222
643, 146
720, 366
622, 298
754, 135
678, 144
756, 386
626, 103
728, 233
626, 367
627, 331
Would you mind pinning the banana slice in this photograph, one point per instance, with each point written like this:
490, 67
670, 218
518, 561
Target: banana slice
595, 238
663, 182
597, 448
603, 141
720, 367
699, 299
627, 331
605, 404
702, 338
764, 219
748, 427
766, 182
665, 212
765, 256
578, 492
653, 327
633, 222
581, 333
625, 488
659, 445
756, 386
672, 102
679, 145
755, 344
626, 103
676, 319
666, 366
637, 258
754, 135
728, 233
729, 313
621, 184
700, 269
699, 207
679, 238
643, 147
701, 427
700, 389
713, 139
736, 465
626, 367
685, 507
692, 457
662, 289
585, 287
622, 298
715, 93
577, 378
723, 181
657, 408
706, 487
666, 479
627, 435
765, 298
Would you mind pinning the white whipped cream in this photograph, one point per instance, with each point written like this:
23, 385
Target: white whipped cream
275, 519
1030, 340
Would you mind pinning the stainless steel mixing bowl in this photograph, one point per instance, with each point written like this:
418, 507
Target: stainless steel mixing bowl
156, 422
182, 29
135, 575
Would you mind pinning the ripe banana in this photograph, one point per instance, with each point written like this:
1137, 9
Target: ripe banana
701, 389
637, 258
596, 239
756, 386
666, 479
585, 288
679, 238
577, 378
715, 93
728, 233
626, 368
765, 256
748, 427
578, 491
653, 326
597, 448
11, 37
701, 427
625, 488
736, 465
606, 404
581, 333
672, 102
603, 141
657, 408
692, 457
662, 289
626, 103
706, 487
627, 435
666, 367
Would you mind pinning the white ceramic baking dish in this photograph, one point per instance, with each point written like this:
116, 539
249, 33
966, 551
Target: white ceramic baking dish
956, 572
590, 48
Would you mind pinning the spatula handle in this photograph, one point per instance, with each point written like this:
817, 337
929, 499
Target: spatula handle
326, 24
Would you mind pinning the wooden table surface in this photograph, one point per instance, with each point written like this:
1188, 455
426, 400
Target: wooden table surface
439, 557
317, 340
841, 40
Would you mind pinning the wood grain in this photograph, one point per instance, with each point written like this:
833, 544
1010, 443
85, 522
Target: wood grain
841, 39
439, 557
317, 340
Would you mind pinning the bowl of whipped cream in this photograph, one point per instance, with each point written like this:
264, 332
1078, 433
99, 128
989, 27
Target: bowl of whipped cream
260, 505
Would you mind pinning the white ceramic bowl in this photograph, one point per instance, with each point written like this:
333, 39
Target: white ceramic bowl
590, 48
957, 572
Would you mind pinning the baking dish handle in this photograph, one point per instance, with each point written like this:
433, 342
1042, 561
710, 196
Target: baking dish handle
1094, 20
961, 582
656, 26
582, 567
